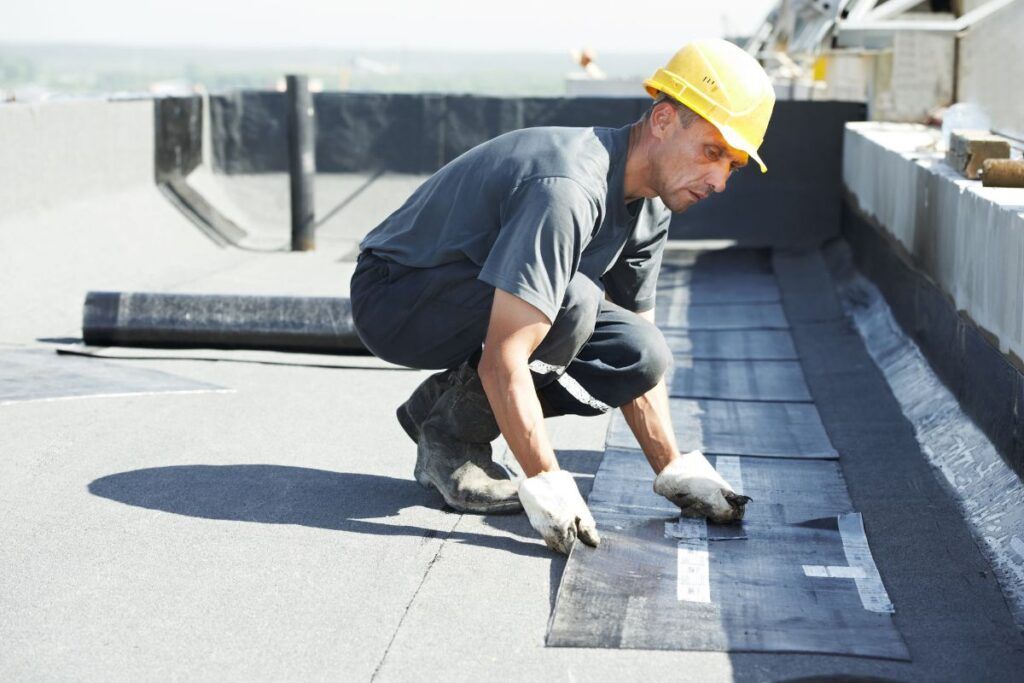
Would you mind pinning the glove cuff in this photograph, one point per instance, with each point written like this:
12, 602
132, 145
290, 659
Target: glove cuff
675, 468
558, 479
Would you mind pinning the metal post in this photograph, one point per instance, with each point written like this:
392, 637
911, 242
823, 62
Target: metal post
301, 161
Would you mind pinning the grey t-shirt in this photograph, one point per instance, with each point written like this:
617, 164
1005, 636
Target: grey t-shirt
531, 208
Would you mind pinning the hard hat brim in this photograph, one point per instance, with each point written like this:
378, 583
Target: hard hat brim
736, 140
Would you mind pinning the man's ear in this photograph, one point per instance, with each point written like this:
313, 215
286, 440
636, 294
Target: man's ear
662, 116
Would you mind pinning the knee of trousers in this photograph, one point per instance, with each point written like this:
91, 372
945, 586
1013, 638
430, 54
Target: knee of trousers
574, 323
652, 353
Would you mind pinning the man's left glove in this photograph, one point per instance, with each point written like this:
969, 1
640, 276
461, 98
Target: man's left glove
699, 490
557, 510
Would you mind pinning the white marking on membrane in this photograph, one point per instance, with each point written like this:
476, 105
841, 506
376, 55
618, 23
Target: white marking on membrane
693, 559
819, 571
693, 562
729, 467
858, 555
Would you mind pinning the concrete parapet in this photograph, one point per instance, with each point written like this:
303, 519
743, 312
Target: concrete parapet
969, 239
948, 254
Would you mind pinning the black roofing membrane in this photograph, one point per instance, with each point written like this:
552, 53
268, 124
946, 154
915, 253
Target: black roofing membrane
761, 586
753, 428
40, 374
725, 317
795, 576
741, 380
732, 344
683, 286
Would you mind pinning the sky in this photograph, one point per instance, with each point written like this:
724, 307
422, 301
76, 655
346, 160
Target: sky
456, 25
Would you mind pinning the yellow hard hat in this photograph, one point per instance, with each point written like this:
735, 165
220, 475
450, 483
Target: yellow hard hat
724, 85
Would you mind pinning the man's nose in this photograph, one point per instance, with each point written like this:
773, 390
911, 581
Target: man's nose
719, 177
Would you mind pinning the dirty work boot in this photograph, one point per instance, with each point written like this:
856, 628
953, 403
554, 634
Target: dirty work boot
454, 450
414, 411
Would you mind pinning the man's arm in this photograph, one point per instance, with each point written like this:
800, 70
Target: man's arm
650, 422
549, 495
688, 480
515, 330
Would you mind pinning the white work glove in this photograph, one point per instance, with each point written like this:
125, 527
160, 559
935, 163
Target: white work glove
557, 510
699, 490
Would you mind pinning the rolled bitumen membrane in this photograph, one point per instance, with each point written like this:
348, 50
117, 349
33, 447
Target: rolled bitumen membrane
797, 576
286, 323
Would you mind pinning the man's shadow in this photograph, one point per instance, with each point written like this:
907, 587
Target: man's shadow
277, 494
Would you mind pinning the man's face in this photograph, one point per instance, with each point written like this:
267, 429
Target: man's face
688, 164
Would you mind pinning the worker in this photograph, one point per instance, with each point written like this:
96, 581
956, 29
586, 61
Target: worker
525, 271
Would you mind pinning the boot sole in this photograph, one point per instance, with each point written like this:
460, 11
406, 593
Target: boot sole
497, 509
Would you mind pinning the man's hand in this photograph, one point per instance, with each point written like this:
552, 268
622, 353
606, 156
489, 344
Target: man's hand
699, 490
557, 510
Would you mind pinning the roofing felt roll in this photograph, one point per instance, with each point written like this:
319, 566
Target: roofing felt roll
322, 324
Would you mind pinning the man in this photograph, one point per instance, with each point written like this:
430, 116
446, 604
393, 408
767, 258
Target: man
525, 270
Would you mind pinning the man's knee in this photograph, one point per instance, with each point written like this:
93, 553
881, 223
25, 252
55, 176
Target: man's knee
653, 353
581, 305
574, 323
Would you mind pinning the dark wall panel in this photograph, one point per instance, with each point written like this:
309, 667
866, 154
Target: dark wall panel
178, 122
795, 204
392, 132
250, 132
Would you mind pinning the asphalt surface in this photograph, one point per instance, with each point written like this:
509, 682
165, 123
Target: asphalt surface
276, 532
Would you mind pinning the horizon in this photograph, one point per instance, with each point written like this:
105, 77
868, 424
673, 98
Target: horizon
307, 48
457, 26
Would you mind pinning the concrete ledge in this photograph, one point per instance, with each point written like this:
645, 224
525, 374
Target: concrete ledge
967, 238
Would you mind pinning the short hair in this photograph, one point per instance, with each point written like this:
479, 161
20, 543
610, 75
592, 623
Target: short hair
686, 115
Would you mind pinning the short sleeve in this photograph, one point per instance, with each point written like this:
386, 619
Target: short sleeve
545, 225
632, 281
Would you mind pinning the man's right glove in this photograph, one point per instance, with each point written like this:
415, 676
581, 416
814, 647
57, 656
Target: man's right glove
557, 510
699, 490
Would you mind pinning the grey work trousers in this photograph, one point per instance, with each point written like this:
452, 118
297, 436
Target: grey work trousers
595, 357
